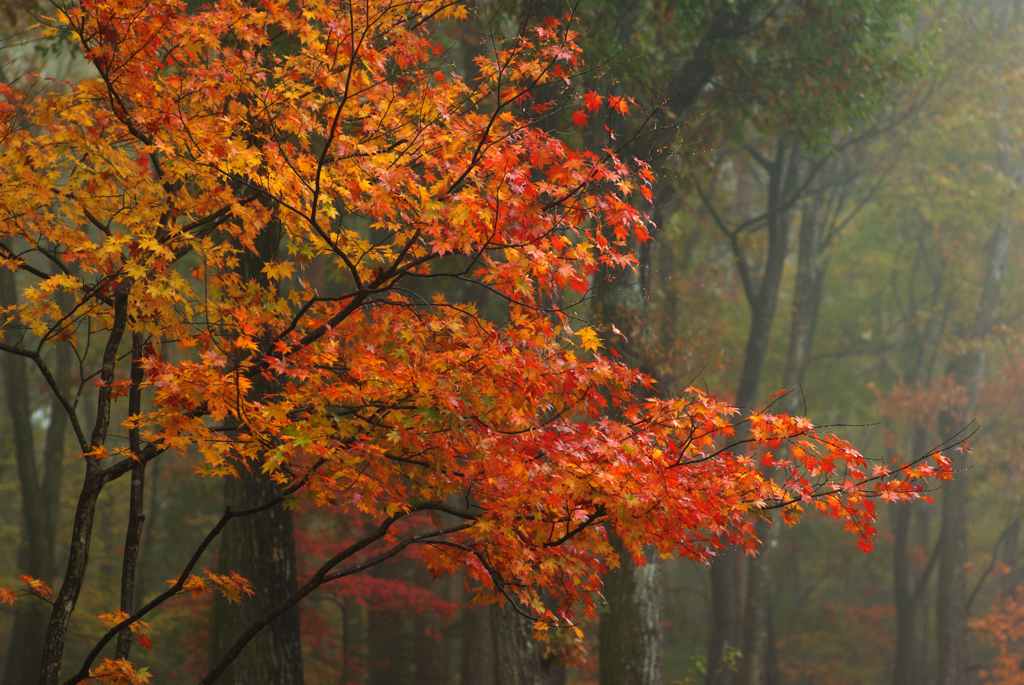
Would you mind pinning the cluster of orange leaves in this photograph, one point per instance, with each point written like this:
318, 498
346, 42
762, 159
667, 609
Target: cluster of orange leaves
231, 585
33, 586
137, 628
1004, 629
118, 672
339, 127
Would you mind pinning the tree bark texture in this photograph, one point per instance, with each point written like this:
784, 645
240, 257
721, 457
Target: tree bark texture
630, 625
518, 658
630, 633
136, 503
260, 548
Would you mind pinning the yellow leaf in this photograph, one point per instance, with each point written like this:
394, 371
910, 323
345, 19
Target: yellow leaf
588, 339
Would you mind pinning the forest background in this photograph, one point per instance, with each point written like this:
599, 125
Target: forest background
837, 202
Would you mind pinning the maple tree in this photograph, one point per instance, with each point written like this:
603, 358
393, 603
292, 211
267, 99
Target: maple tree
165, 219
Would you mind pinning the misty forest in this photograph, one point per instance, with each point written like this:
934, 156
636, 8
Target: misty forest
512, 342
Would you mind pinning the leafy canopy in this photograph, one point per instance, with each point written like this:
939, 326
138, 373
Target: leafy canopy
223, 155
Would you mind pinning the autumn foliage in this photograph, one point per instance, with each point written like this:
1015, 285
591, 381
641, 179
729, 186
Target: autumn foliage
1003, 628
168, 219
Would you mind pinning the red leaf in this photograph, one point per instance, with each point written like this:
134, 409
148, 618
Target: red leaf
592, 101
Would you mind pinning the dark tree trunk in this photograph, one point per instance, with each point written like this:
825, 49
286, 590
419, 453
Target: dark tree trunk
758, 635
728, 570
39, 482
763, 297
518, 658
429, 655
136, 504
905, 666
730, 22
908, 591
726, 613
630, 626
630, 632
260, 548
389, 649
807, 291
756, 616
1011, 557
966, 371
475, 666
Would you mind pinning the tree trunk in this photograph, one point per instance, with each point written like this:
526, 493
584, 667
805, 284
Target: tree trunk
966, 371
475, 666
630, 626
39, 482
729, 568
389, 648
905, 666
726, 612
518, 658
260, 548
758, 633
807, 291
756, 616
910, 664
630, 632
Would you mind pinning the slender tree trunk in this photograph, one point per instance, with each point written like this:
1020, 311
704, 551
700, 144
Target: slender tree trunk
1011, 557
764, 296
756, 616
909, 666
724, 639
729, 599
85, 512
966, 371
758, 633
136, 502
39, 483
904, 668
807, 292
150, 536
40, 505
